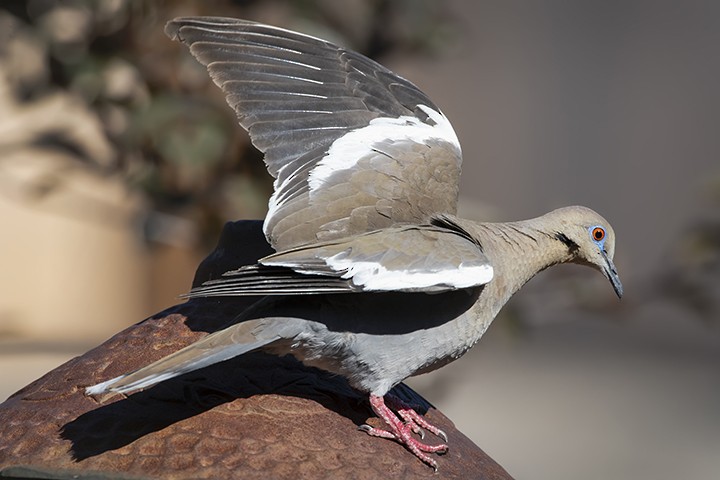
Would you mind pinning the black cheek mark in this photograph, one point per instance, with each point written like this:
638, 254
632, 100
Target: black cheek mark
571, 246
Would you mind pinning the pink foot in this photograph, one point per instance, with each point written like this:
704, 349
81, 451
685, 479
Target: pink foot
417, 421
402, 431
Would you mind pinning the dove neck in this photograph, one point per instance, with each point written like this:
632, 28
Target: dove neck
518, 251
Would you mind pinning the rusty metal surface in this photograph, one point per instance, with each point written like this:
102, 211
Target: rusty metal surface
255, 416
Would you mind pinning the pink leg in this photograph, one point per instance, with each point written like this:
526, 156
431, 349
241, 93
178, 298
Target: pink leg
402, 432
408, 413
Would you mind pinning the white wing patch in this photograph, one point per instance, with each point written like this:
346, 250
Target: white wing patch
345, 152
375, 277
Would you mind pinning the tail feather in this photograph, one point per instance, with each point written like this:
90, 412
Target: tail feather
216, 347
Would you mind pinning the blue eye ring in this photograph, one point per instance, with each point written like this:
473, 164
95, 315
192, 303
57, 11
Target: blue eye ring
597, 233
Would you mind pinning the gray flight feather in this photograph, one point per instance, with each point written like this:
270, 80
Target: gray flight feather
427, 258
297, 96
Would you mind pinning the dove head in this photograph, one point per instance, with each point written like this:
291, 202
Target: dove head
590, 238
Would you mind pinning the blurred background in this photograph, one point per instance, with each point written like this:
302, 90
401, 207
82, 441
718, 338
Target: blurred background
119, 163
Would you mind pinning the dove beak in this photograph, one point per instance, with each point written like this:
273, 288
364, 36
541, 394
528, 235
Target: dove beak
612, 274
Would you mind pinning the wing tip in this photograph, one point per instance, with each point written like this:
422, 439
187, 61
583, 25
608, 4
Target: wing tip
173, 27
487, 274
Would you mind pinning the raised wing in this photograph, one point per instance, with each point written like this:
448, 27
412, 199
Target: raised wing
352, 146
411, 258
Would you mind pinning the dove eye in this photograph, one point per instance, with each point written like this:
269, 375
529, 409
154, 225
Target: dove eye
598, 233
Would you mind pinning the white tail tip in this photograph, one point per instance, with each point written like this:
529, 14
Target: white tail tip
103, 387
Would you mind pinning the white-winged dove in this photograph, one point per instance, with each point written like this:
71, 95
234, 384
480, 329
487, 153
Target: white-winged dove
374, 278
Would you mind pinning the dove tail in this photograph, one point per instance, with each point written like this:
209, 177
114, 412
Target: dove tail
216, 347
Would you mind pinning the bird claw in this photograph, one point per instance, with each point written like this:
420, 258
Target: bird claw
419, 424
410, 416
402, 426
377, 432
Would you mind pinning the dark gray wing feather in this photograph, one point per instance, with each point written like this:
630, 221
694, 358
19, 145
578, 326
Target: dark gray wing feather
411, 258
297, 95
262, 280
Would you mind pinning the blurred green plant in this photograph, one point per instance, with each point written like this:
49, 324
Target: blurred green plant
172, 137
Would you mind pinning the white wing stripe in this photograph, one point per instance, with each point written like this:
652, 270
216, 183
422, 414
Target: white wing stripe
373, 276
345, 152
443, 125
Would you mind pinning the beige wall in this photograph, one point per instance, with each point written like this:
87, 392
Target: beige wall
65, 277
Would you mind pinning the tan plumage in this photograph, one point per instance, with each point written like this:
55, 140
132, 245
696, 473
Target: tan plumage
374, 277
